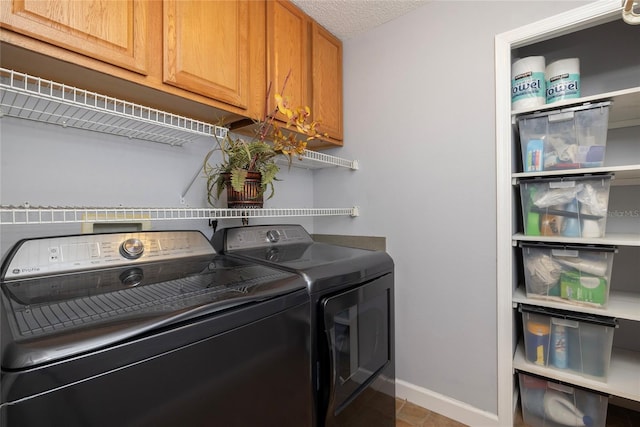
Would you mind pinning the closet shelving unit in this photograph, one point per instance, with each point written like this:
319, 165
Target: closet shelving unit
623, 379
624, 376
32, 98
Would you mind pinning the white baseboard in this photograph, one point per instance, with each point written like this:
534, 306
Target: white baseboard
443, 405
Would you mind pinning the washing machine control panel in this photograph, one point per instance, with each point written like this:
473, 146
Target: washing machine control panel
52, 255
238, 238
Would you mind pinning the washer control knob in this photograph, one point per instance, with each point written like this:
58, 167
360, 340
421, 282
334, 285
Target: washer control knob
273, 236
132, 248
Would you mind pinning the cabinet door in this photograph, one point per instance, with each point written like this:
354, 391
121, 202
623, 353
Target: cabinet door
111, 31
287, 53
326, 65
207, 47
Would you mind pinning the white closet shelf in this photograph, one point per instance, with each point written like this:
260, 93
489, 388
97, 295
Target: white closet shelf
624, 110
67, 215
623, 379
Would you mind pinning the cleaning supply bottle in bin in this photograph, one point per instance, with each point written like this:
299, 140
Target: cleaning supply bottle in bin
559, 347
555, 408
537, 343
571, 225
551, 225
560, 409
533, 218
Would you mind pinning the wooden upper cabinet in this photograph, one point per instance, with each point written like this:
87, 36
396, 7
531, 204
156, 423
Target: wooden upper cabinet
287, 53
207, 48
296, 44
326, 78
113, 31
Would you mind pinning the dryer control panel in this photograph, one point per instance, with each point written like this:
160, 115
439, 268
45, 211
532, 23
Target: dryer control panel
239, 238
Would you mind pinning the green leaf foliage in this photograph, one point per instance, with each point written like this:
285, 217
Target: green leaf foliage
238, 158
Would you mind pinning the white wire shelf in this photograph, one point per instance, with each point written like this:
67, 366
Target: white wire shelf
28, 97
33, 98
315, 160
66, 215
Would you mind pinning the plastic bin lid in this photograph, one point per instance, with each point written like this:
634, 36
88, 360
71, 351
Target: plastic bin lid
610, 322
550, 112
586, 176
536, 381
569, 247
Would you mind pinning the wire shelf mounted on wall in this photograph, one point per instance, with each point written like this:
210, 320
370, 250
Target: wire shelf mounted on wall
33, 98
18, 215
315, 160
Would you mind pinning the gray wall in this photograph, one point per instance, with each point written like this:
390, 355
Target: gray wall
419, 116
49, 165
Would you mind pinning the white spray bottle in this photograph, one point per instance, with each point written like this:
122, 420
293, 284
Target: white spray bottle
558, 408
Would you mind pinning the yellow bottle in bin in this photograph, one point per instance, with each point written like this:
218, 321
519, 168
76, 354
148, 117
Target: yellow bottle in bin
538, 340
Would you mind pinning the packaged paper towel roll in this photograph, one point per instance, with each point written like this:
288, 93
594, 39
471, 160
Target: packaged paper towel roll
562, 80
527, 83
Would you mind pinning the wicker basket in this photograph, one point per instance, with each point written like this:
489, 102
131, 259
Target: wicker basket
250, 197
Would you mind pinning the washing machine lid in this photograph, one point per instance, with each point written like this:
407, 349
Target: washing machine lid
290, 247
51, 316
305, 257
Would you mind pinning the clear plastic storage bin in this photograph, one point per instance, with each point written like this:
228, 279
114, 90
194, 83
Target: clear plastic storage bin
573, 206
547, 403
568, 341
572, 274
570, 138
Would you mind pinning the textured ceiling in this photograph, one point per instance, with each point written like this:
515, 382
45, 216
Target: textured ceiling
348, 18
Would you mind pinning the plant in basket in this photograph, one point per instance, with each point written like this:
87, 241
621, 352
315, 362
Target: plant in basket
248, 168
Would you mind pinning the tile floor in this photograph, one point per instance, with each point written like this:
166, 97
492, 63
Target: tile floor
411, 415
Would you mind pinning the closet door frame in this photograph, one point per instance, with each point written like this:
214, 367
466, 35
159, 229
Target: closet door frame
568, 22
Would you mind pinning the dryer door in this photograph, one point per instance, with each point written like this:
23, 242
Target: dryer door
358, 327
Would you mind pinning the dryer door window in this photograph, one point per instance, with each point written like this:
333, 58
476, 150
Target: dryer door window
357, 327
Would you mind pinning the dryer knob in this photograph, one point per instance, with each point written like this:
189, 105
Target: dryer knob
132, 248
273, 236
